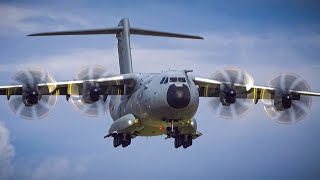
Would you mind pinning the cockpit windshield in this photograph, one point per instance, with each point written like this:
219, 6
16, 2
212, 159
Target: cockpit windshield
181, 79
173, 79
177, 79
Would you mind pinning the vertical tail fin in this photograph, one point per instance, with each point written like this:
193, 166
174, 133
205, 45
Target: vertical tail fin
124, 49
122, 32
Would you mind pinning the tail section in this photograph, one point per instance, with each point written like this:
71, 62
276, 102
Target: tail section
122, 32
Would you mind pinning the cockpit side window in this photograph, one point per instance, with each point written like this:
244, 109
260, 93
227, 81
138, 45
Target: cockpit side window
165, 81
181, 79
173, 79
162, 80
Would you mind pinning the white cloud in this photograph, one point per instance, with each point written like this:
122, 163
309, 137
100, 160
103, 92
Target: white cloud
19, 18
65, 66
6, 153
58, 168
13, 17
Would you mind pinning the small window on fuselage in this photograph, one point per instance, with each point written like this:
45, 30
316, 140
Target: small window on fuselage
173, 79
162, 80
181, 79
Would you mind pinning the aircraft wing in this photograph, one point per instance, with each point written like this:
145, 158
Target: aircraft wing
211, 88
109, 85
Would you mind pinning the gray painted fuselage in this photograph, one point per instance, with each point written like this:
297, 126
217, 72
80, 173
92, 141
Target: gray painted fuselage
148, 102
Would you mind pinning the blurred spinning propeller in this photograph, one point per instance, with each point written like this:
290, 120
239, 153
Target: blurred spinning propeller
36, 101
283, 105
233, 99
91, 101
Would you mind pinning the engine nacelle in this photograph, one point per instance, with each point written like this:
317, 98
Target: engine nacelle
283, 100
30, 95
91, 92
227, 95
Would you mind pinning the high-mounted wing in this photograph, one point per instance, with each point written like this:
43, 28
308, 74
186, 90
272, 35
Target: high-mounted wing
286, 97
110, 85
34, 92
211, 88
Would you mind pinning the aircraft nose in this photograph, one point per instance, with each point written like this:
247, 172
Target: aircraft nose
178, 97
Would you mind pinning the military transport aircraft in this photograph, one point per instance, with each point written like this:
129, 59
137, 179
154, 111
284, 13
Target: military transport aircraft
152, 104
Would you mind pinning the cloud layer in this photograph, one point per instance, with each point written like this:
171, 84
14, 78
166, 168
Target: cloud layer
29, 19
6, 153
261, 55
58, 168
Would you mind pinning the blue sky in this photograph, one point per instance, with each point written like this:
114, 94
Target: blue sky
261, 37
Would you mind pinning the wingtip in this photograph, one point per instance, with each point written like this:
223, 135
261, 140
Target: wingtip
199, 37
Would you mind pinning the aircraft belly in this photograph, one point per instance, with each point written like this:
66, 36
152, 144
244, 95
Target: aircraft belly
151, 131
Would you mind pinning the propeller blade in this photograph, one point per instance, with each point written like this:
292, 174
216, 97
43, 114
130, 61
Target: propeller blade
283, 83
244, 101
99, 107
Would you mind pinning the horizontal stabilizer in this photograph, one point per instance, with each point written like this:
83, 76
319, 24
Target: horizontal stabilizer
160, 33
123, 32
81, 32
117, 30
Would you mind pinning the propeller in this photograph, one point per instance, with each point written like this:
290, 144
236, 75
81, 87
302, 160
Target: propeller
232, 102
91, 102
283, 106
32, 104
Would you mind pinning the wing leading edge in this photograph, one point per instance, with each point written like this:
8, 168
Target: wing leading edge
111, 86
211, 88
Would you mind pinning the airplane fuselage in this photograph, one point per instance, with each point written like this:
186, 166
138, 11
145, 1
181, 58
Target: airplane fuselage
157, 100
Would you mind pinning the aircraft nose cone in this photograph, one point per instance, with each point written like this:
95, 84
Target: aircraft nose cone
178, 97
